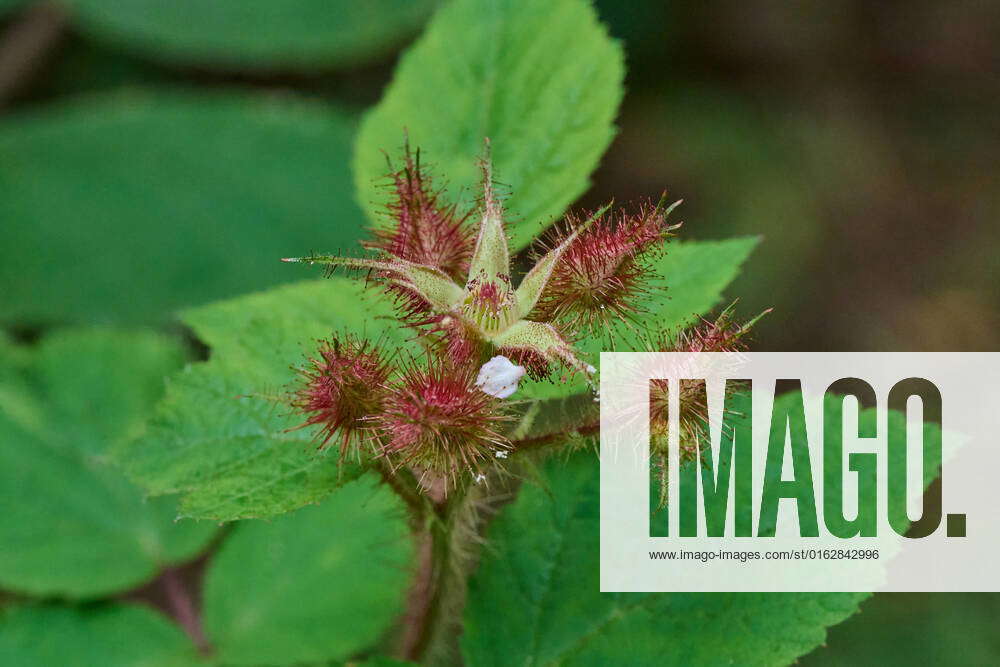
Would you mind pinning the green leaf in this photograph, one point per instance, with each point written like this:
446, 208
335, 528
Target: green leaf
255, 34
320, 584
695, 274
75, 526
17, 398
915, 629
540, 78
111, 205
219, 438
536, 599
115, 635
129, 370
86, 68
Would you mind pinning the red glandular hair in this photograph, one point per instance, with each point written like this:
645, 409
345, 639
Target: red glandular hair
436, 418
455, 342
423, 229
537, 366
342, 389
721, 335
604, 272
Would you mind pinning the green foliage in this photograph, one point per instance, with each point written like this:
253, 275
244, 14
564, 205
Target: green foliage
219, 438
88, 68
543, 563
80, 528
127, 207
915, 629
118, 635
314, 586
255, 34
100, 385
695, 274
8, 5
319, 584
111, 206
540, 78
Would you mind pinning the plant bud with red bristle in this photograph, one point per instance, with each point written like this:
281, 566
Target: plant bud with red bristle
424, 230
723, 334
604, 272
436, 418
342, 390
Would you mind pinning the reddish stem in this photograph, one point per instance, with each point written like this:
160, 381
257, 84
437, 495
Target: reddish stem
183, 609
418, 603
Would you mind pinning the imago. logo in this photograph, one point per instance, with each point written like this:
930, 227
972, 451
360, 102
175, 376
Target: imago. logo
798, 472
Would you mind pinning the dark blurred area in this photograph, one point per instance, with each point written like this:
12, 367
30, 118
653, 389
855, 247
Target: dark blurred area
859, 139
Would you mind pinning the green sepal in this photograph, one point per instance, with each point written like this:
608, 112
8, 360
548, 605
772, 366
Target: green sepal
533, 285
491, 258
542, 338
428, 282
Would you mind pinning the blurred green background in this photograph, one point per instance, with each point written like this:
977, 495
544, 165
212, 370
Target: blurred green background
157, 154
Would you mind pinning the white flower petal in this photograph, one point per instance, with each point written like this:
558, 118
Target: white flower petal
499, 377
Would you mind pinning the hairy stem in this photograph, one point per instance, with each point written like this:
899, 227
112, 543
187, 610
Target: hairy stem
183, 609
27, 45
449, 532
454, 534
418, 600
404, 483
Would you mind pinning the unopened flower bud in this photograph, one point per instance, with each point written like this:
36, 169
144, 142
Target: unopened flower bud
436, 418
342, 388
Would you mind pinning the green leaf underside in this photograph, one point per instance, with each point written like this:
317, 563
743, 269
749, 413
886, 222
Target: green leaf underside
80, 528
320, 584
540, 78
219, 438
695, 274
542, 561
160, 187
301, 34
115, 635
